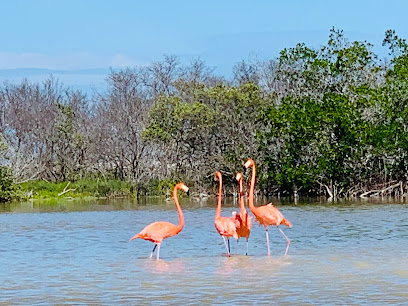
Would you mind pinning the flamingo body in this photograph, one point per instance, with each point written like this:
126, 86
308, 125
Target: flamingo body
244, 224
226, 227
268, 215
157, 231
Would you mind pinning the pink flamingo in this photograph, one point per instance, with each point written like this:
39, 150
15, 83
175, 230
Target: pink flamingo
158, 231
224, 225
243, 221
266, 214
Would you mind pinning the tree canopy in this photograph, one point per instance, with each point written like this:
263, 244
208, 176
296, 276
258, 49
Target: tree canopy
330, 120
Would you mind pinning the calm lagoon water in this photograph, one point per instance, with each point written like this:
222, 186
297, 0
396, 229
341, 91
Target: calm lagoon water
80, 253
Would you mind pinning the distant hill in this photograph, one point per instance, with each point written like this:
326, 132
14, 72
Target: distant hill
21, 72
87, 80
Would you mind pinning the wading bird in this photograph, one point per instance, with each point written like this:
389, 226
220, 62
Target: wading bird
224, 225
157, 231
266, 214
243, 221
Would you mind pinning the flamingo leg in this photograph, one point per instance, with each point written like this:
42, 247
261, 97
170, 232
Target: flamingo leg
154, 248
158, 251
287, 240
226, 245
229, 246
247, 247
267, 241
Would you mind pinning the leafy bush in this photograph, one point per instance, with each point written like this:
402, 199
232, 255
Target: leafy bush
7, 188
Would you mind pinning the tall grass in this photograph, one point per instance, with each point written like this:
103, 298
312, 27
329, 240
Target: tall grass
83, 188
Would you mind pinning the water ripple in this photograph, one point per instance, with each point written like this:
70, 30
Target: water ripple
340, 254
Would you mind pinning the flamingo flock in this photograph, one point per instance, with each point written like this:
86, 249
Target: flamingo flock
237, 226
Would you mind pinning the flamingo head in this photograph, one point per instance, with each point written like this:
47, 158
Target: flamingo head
239, 176
218, 175
182, 187
249, 163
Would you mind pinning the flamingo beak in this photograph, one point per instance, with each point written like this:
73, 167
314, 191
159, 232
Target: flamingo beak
188, 192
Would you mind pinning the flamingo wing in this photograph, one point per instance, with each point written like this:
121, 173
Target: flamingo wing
226, 227
269, 215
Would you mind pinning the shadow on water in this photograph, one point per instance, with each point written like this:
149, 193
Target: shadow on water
79, 252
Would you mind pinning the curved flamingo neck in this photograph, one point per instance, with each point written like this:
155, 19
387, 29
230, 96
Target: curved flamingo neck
252, 188
179, 211
241, 196
218, 211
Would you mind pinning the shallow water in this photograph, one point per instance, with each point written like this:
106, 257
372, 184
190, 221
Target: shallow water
73, 252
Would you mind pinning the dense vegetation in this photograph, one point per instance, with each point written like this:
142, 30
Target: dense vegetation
319, 121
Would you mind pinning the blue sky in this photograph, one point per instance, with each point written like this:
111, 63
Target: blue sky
83, 34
